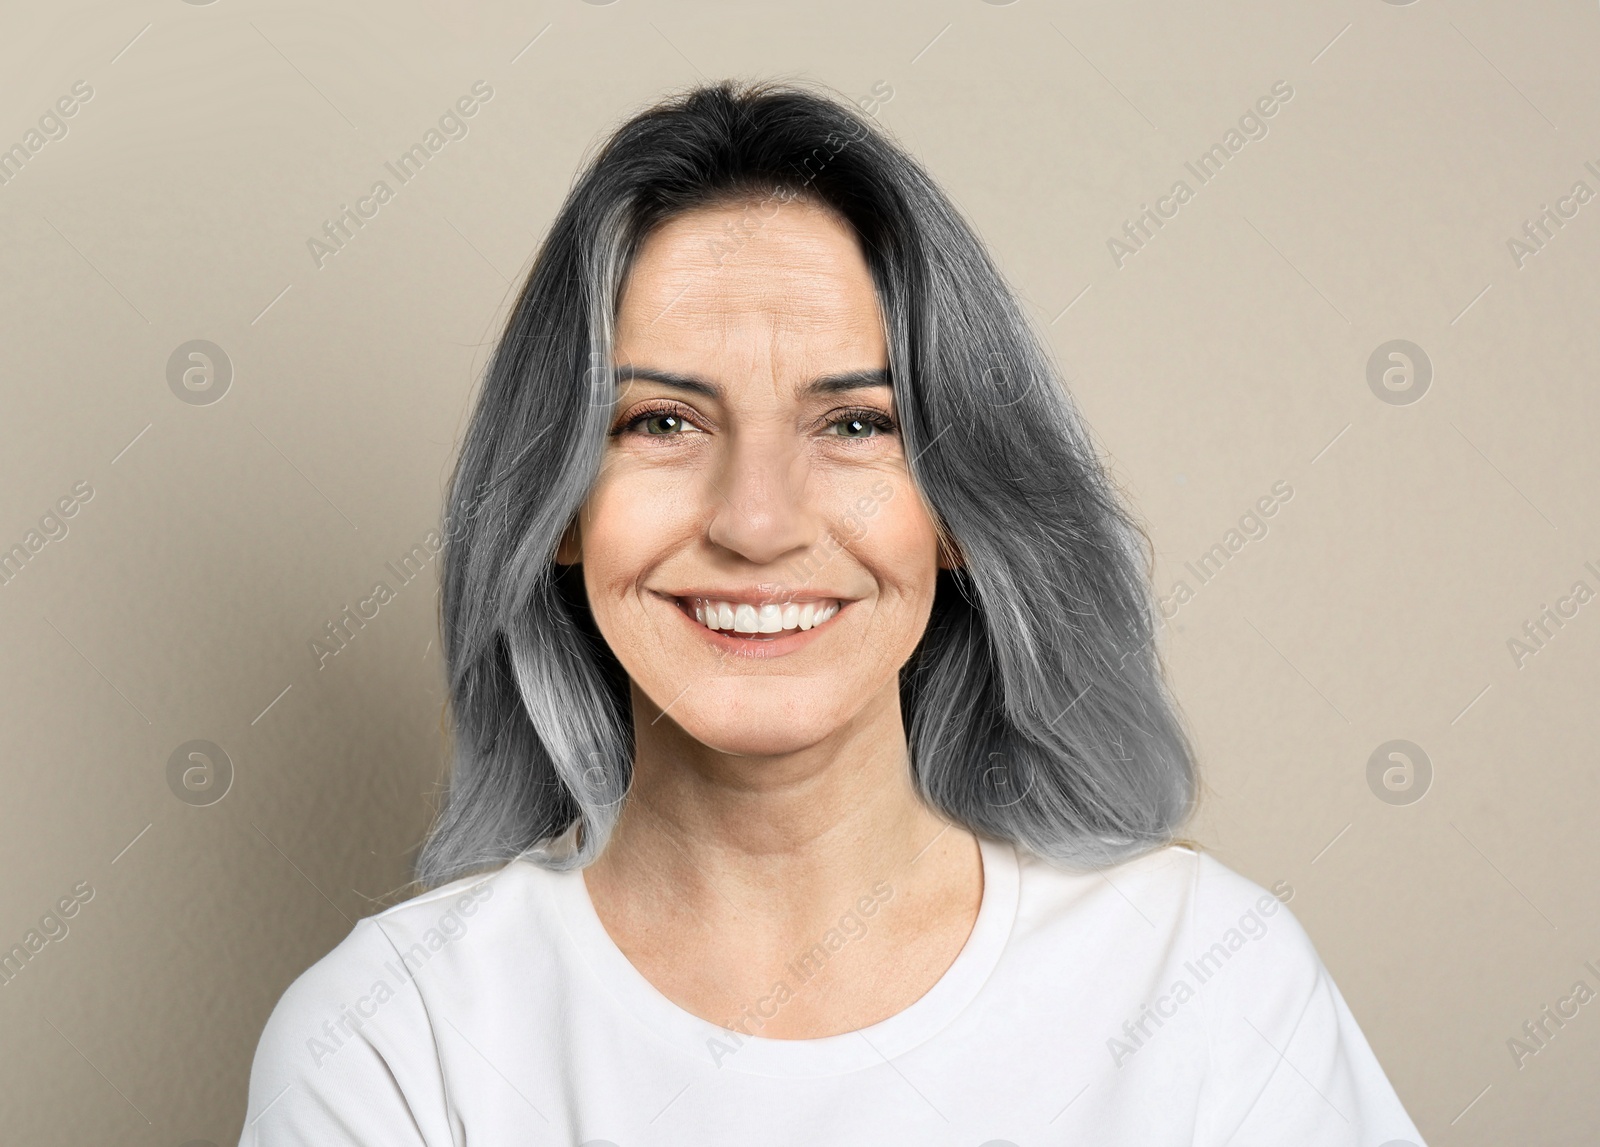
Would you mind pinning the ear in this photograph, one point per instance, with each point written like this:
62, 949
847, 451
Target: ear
950, 555
569, 551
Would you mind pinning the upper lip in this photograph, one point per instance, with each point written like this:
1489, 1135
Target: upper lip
760, 595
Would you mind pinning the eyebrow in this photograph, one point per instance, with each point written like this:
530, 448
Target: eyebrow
825, 384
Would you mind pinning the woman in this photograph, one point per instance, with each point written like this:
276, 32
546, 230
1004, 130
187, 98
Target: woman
814, 778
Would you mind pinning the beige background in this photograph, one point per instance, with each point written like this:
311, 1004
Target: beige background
1229, 354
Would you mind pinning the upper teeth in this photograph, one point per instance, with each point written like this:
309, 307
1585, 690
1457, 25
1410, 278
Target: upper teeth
769, 618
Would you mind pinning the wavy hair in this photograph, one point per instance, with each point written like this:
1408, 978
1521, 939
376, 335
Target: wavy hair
1035, 706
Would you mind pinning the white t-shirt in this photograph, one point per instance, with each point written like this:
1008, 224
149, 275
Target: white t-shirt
1164, 1001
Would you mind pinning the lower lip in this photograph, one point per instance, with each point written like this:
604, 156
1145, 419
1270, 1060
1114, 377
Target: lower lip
761, 646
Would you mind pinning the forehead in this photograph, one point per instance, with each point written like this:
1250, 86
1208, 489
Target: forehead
745, 281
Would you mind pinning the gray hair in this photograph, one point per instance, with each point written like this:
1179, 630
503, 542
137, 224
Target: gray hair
1035, 706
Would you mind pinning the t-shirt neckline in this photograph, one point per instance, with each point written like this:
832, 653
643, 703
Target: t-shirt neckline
827, 1055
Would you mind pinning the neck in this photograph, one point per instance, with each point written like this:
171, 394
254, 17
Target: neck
715, 835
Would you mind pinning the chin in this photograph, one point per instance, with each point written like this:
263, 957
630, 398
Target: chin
737, 743
768, 726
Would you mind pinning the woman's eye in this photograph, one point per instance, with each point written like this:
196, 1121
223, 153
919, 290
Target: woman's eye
655, 423
661, 423
670, 424
862, 426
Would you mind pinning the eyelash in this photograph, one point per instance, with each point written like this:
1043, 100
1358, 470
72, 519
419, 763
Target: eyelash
875, 418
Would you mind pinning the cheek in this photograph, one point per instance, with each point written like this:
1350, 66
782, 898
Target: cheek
895, 539
628, 522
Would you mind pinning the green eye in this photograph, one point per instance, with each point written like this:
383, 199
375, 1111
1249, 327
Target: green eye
657, 423
670, 422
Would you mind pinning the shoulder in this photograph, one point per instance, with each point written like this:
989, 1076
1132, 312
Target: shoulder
1171, 926
369, 952
1247, 947
1166, 895
349, 1048
1198, 917
1236, 918
1285, 1060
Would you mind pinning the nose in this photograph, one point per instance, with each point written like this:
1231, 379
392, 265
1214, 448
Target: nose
761, 494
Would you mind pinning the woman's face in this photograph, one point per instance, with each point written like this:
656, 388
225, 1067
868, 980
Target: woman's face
755, 480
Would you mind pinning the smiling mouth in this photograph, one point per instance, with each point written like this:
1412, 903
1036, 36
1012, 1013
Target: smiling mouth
758, 622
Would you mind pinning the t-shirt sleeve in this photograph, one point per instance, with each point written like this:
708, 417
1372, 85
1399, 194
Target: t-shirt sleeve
348, 1057
1288, 1064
